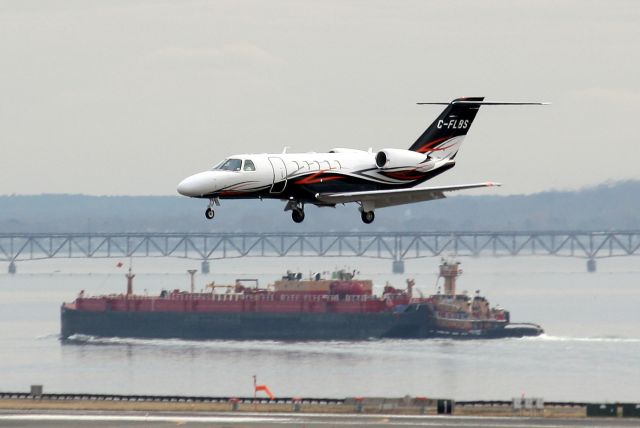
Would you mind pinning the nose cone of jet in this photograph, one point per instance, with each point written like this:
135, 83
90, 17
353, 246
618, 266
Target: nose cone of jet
198, 185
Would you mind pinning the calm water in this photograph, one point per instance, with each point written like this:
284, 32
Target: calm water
591, 350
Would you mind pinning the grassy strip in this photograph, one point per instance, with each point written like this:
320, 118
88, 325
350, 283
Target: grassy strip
79, 405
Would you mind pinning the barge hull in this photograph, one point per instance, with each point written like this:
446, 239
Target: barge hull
416, 324
229, 326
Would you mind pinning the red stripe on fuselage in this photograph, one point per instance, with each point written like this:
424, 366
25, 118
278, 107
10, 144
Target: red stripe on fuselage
403, 175
317, 178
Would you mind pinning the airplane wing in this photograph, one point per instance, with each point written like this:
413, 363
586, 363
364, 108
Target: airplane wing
387, 198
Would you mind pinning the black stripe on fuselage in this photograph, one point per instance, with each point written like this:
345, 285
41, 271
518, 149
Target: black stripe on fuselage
335, 183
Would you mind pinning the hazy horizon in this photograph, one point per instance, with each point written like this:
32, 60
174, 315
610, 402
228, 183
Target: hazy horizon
605, 207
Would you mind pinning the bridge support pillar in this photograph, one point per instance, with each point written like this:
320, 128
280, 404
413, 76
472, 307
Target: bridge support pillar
397, 266
591, 265
204, 268
12, 268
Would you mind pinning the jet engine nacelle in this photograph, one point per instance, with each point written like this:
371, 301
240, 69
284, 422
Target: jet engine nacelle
399, 158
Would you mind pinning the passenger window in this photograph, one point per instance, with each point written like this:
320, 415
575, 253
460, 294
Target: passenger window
249, 166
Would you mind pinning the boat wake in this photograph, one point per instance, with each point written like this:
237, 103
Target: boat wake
388, 347
219, 345
48, 336
391, 348
604, 339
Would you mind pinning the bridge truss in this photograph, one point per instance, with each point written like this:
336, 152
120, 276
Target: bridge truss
392, 246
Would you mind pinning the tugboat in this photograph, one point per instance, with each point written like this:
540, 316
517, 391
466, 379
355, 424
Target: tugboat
461, 316
339, 308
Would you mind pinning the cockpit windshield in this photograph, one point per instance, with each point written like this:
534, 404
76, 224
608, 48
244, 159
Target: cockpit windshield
230, 165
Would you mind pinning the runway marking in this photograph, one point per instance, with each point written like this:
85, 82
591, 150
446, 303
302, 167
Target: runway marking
308, 419
132, 418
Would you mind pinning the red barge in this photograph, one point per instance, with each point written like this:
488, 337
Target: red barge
340, 308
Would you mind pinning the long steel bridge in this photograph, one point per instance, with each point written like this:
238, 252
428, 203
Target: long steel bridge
395, 246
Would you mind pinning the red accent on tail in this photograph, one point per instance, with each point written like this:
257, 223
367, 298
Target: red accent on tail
428, 147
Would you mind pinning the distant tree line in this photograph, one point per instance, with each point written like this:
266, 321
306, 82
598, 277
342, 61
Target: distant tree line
605, 207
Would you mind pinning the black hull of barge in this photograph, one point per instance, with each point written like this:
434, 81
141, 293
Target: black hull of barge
417, 323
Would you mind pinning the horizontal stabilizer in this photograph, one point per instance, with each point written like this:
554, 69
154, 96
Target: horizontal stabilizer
388, 198
488, 103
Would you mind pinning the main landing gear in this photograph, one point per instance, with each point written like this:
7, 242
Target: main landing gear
366, 212
367, 216
297, 214
209, 213
297, 210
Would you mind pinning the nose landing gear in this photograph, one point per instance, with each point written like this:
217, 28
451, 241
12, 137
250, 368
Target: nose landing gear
209, 213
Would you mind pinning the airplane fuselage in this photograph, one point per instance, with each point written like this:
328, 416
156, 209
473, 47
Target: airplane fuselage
302, 176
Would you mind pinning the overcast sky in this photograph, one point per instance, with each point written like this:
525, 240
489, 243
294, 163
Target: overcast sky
128, 97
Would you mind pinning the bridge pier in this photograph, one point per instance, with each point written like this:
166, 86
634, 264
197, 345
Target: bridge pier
204, 268
397, 266
591, 265
12, 268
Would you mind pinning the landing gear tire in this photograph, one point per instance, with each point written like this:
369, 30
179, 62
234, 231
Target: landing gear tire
297, 215
209, 213
367, 216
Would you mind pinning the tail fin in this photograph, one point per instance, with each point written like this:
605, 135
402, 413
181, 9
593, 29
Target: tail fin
443, 137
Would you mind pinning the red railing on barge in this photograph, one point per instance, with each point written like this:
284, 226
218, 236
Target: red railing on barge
230, 303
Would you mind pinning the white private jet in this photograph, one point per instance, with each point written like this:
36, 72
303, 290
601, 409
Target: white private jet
372, 180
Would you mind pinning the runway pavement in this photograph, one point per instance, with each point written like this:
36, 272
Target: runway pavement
141, 419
